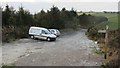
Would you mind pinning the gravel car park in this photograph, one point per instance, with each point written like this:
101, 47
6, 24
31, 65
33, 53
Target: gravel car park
63, 52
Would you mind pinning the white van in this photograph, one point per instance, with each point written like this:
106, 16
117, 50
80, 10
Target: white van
41, 33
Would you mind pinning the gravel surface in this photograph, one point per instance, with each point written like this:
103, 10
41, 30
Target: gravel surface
72, 49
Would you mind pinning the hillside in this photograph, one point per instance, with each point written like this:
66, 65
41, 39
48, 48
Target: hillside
88, 20
112, 20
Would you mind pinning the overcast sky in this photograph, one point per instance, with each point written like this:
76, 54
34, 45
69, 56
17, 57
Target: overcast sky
35, 6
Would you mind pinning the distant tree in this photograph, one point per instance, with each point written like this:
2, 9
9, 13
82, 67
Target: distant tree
89, 14
105, 11
73, 12
83, 14
40, 17
54, 17
6, 16
54, 9
42, 11
63, 9
24, 17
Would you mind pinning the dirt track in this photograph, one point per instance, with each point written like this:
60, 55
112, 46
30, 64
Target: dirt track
68, 50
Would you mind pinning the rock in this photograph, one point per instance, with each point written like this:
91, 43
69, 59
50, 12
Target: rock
96, 42
27, 54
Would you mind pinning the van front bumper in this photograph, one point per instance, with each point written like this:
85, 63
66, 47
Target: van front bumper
52, 39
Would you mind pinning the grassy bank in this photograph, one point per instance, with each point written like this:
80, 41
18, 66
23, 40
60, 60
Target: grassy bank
112, 48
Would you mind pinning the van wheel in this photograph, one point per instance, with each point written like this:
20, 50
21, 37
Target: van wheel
48, 39
32, 37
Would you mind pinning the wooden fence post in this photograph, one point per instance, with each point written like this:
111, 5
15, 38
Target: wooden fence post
106, 41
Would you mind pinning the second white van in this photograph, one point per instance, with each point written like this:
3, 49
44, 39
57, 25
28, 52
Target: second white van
55, 32
41, 33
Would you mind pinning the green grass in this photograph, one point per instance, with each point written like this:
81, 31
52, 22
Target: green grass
101, 25
80, 13
113, 23
108, 15
112, 20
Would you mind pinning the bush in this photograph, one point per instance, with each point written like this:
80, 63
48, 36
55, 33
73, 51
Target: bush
11, 33
114, 48
92, 33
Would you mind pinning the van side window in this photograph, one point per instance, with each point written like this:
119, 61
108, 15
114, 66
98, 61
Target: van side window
43, 32
52, 30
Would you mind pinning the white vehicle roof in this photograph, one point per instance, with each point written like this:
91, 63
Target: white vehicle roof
33, 27
53, 29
